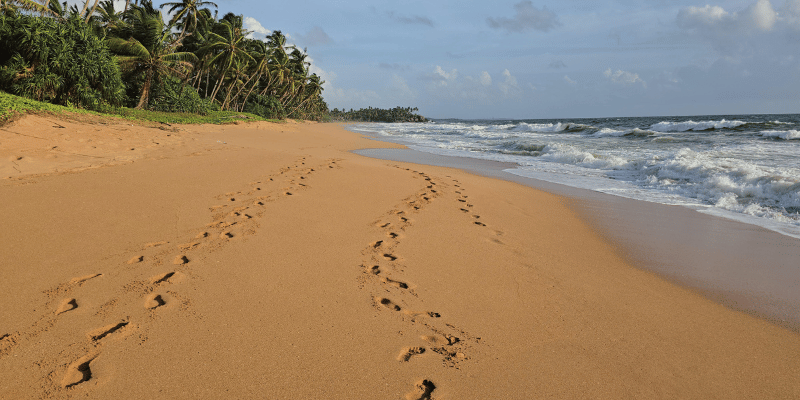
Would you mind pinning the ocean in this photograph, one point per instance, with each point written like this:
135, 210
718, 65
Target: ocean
741, 167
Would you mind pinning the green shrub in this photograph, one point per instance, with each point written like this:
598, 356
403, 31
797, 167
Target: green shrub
265, 106
61, 62
175, 96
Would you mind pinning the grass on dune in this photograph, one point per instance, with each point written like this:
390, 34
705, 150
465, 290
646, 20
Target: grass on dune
12, 106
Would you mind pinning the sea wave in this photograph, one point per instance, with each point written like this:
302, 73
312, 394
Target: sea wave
547, 128
785, 135
685, 126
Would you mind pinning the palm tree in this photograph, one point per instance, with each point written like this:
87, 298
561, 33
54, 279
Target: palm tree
148, 51
27, 5
226, 49
187, 12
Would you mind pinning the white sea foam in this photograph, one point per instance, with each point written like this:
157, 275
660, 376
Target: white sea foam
686, 126
722, 173
785, 135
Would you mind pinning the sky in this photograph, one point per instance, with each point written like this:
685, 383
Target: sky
545, 59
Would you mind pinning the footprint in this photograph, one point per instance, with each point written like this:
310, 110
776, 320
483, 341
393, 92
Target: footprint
377, 244
392, 235
67, 305
154, 301
161, 278
389, 257
462, 200
179, 260
374, 270
201, 235
398, 284
388, 304
479, 223
408, 352
78, 372
100, 333
423, 390
226, 235
441, 340
463, 209
288, 193
78, 281
136, 259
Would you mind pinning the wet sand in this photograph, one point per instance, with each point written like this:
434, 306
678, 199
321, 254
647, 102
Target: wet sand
269, 261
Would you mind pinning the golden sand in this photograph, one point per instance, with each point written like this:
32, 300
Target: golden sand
267, 261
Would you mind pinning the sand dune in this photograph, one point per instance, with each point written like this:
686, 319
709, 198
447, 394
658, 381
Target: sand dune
267, 261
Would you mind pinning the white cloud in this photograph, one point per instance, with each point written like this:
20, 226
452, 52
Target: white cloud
624, 77
509, 84
763, 15
400, 90
486, 79
570, 81
699, 16
447, 76
257, 31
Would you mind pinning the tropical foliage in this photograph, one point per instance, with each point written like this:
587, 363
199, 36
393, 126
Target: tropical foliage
397, 114
94, 56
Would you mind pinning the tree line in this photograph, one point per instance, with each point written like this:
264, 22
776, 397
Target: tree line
397, 114
98, 57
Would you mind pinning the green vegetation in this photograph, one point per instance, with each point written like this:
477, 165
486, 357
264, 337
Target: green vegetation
12, 106
102, 59
397, 114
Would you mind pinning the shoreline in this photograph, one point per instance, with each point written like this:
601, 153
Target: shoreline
268, 260
699, 251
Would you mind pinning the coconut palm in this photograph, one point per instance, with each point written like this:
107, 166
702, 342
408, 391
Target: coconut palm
187, 12
148, 52
227, 48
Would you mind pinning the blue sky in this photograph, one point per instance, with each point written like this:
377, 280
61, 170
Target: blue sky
546, 59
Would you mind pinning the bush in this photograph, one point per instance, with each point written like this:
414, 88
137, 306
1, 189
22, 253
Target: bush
175, 96
265, 106
61, 62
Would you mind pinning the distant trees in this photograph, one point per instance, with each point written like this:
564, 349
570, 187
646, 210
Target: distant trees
45, 47
397, 114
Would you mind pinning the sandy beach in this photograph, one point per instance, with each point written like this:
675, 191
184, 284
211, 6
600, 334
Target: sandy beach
264, 260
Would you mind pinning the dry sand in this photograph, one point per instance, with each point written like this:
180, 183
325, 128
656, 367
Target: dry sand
267, 261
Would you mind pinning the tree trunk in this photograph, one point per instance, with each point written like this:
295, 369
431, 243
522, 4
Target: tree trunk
127, 3
145, 97
85, 7
91, 12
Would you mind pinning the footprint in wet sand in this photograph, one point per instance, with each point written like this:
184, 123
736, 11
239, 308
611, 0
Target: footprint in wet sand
374, 270
136, 259
78, 372
408, 352
154, 301
423, 390
392, 235
479, 223
376, 244
100, 333
226, 235
67, 305
179, 260
390, 257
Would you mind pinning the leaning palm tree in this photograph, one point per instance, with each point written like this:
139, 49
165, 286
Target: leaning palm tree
28, 5
148, 52
227, 48
187, 12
